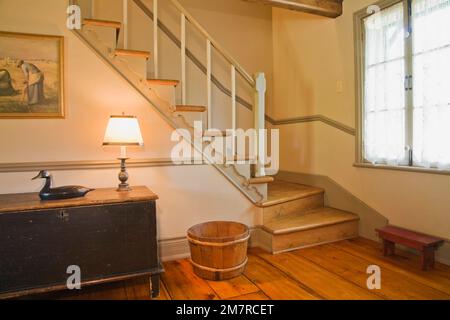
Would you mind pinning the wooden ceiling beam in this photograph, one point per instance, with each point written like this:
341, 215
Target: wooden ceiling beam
326, 8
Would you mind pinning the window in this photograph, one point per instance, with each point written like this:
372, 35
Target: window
404, 86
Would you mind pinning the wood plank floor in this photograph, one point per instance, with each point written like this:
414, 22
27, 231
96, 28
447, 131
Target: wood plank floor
334, 271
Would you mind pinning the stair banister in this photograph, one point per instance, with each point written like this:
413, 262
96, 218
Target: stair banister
258, 83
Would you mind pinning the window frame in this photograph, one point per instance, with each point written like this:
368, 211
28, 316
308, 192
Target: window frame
359, 41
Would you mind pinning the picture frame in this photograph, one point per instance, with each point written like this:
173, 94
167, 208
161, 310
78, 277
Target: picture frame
31, 76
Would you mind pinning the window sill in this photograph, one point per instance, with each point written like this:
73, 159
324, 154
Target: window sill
401, 168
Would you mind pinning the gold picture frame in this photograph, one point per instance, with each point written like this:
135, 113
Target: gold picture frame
31, 76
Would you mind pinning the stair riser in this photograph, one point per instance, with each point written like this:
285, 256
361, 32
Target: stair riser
107, 35
295, 206
166, 93
137, 64
307, 238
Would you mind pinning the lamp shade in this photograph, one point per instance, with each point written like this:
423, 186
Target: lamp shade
123, 131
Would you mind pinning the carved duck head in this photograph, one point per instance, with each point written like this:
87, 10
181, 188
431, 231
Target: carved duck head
44, 174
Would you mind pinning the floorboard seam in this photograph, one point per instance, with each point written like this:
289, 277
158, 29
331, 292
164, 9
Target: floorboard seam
260, 289
302, 285
167, 290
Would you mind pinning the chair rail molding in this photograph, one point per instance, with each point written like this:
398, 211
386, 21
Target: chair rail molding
313, 118
88, 165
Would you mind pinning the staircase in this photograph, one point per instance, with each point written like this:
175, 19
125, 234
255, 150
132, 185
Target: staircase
295, 216
109, 39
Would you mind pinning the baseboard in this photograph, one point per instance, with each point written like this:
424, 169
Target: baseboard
174, 249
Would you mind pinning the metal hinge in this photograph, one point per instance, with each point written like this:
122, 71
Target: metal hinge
408, 83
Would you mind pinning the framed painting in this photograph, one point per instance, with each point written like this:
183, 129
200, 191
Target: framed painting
31, 76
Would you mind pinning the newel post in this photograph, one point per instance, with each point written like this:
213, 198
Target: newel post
259, 117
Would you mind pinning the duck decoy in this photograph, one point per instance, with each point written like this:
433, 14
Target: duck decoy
60, 193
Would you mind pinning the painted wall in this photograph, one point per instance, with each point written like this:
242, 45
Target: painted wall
311, 55
93, 92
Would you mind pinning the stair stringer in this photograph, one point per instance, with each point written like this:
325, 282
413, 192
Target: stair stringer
165, 110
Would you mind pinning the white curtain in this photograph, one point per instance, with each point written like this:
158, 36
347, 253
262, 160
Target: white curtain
431, 69
384, 107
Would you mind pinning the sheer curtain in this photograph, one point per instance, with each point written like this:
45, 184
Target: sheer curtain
384, 107
431, 69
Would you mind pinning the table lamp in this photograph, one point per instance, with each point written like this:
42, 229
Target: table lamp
123, 131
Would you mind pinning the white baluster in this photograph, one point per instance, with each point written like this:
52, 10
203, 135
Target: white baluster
155, 38
183, 59
208, 82
125, 24
233, 108
259, 116
92, 9
233, 98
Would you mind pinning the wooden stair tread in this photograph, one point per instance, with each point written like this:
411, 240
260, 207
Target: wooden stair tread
312, 220
261, 180
132, 53
163, 82
282, 191
102, 23
188, 108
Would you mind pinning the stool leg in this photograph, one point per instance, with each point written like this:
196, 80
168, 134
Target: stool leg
388, 247
428, 258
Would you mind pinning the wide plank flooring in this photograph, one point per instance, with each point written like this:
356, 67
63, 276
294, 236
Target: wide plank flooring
333, 271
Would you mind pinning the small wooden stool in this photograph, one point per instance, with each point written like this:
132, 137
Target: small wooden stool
426, 244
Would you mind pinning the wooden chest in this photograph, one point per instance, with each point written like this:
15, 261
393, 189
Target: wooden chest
109, 235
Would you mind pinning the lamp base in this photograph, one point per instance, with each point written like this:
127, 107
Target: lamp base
123, 176
123, 188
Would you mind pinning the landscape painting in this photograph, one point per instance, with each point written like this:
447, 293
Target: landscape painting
31, 76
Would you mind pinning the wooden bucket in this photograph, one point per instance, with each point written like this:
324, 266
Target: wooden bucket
219, 249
